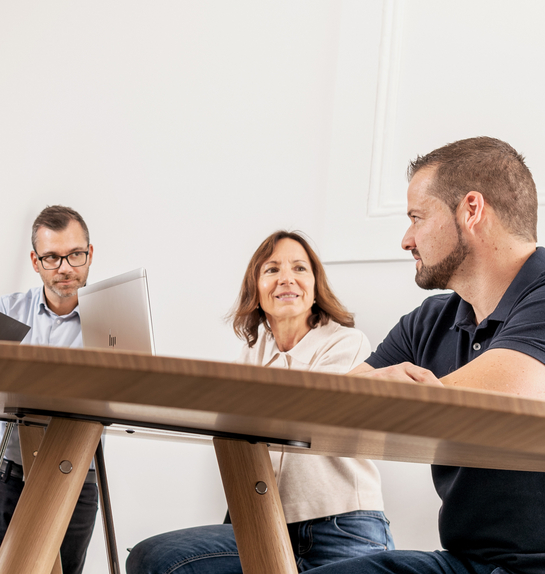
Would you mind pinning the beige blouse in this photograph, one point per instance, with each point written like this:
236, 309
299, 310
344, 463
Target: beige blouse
313, 486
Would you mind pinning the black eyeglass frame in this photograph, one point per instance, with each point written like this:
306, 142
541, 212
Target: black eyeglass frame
61, 257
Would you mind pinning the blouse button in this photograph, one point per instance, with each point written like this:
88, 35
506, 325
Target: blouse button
476, 346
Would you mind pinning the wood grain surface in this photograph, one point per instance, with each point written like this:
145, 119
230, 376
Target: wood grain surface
258, 518
30, 438
46, 504
338, 415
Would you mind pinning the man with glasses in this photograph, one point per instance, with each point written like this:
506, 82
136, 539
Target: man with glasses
61, 254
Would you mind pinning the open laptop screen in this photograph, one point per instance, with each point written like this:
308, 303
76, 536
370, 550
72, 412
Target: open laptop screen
116, 313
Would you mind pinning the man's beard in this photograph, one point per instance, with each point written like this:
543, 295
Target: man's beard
65, 293
438, 276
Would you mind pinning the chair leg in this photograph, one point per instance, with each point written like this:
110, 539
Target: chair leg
5, 439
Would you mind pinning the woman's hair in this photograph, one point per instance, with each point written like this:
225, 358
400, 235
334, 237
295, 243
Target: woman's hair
247, 315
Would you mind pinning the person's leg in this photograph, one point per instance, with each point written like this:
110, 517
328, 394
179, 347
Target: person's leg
200, 550
79, 532
10, 491
213, 548
410, 562
340, 537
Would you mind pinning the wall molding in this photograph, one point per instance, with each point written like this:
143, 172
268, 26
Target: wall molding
379, 204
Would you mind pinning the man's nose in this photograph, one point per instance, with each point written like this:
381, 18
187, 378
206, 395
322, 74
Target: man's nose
65, 266
407, 242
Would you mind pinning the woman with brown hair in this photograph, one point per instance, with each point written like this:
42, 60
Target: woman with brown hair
290, 318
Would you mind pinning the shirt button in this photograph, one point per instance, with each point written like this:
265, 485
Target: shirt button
476, 346
58, 321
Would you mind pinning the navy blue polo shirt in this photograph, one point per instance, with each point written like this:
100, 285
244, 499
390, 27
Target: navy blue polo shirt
496, 515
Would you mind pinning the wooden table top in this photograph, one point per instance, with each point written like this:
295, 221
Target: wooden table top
338, 415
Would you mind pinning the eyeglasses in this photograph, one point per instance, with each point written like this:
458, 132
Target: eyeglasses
75, 259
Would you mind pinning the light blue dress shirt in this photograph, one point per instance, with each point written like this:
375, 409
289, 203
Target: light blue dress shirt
46, 328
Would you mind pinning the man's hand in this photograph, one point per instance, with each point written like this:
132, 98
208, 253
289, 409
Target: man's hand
405, 372
498, 370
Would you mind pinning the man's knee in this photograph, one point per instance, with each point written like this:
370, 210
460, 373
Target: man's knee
193, 550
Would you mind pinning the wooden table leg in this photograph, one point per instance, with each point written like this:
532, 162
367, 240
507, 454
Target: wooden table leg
258, 519
30, 438
47, 502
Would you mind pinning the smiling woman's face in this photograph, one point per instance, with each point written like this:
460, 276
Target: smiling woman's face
286, 283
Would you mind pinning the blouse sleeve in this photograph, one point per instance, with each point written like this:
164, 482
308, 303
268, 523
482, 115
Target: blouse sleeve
343, 351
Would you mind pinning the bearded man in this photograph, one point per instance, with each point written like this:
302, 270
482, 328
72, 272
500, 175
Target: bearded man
473, 211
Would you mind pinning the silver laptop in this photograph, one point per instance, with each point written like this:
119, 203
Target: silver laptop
116, 313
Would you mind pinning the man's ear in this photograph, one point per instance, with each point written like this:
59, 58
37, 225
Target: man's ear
470, 210
34, 259
90, 254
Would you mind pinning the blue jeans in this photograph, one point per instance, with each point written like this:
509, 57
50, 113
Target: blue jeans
213, 550
411, 562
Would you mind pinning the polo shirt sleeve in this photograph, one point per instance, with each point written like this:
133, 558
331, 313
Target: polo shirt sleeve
396, 347
524, 326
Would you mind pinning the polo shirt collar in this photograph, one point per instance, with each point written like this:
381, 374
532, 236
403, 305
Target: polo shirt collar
465, 316
529, 272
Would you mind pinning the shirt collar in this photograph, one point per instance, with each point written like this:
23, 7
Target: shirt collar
43, 307
529, 272
465, 316
305, 348
42, 304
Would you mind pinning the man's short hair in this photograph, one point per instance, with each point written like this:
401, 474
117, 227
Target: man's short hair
57, 218
491, 167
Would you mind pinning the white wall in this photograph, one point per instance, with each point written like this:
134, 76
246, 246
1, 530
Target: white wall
185, 131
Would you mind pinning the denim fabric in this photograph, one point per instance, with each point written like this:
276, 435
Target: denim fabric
80, 529
411, 562
333, 538
213, 550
